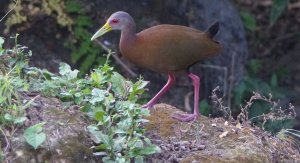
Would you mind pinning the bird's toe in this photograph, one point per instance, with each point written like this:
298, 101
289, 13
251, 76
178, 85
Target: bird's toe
185, 117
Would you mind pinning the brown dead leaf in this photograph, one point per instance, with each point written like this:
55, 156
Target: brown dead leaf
223, 134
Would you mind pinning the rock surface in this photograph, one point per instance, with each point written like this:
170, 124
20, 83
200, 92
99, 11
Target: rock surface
66, 135
213, 140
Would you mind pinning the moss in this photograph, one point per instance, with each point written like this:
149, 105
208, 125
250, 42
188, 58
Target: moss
242, 143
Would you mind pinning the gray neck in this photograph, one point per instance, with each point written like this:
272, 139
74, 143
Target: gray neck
129, 33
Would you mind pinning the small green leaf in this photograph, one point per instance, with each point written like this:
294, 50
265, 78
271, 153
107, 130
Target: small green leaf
98, 95
151, 149
34, 135
277, 10
248, 20
101, 147
274, 80
145, 112
65, 70
19, 120
95, 132
204, 108
99, 116
118, 84
2, 99
139, 159
1, 41
73, 7
100, 154
8, 117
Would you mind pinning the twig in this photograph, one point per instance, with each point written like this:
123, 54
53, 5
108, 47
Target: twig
219, 68
287, 36
117, 59
16, 3
7, 142
231, 80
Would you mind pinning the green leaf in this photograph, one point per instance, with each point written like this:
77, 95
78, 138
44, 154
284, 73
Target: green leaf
98, 95
118, 84
65, 70
97, 78
248, 20
100, 154
1, 45
1, 41
101, 147
105, 139
151, 149
2, 99
73, 7
99, 115
95, 132
139, 159
277, 10
8, 117
19, 120
34, 135
274, 80
204, 108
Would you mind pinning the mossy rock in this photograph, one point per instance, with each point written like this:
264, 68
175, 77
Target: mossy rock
213, 140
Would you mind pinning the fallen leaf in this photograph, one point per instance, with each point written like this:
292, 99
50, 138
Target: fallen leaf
223, 134
239, 126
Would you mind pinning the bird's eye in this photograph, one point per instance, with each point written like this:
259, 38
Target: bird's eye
114, 21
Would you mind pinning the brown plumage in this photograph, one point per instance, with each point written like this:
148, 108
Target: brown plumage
168, 48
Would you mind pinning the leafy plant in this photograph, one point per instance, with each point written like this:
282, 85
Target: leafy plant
111, 101
277, 10
12, 63
69, 14
83, 51
34, 135
244, 91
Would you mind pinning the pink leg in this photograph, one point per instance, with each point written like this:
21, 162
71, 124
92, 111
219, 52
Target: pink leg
171, 81
196, 114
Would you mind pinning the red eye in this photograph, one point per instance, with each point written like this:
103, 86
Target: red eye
114, 21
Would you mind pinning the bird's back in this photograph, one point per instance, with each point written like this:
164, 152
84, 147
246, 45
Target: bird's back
169, 48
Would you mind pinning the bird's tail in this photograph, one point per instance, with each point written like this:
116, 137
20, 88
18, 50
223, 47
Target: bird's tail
213, 29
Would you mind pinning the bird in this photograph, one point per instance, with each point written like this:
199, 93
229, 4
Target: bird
164, 49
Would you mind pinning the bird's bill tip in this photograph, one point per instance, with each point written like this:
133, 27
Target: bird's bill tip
104, 29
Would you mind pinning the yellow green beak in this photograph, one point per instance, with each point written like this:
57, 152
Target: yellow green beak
104, 29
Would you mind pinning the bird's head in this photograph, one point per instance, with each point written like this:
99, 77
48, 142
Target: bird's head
117, 21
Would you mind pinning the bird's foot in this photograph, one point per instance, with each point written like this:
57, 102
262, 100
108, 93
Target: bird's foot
185, 117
